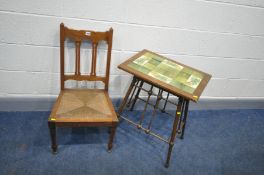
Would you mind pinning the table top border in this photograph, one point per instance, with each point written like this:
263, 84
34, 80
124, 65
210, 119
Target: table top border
171, 89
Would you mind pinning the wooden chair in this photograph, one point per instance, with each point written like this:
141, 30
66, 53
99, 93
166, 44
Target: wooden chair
83, 107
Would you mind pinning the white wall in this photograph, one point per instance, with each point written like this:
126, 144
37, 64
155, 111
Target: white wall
222, 37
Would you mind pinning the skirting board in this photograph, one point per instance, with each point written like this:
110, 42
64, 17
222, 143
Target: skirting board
46, 103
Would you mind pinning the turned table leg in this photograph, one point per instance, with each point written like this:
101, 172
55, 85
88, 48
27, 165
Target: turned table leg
120, 110
174, 131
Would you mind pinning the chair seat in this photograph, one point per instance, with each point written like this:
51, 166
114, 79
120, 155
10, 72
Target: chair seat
85, 105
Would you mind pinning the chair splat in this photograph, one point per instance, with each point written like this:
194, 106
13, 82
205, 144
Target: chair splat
79, 36
77, 57
94, 55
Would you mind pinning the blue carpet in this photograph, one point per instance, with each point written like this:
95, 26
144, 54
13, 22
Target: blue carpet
216, 142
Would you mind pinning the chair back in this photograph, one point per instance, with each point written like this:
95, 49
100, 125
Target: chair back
79, 36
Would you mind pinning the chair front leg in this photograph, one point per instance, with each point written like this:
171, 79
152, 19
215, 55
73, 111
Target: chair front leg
52, 129
111, 138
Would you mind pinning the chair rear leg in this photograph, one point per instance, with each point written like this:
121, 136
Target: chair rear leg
111, 138
52, 128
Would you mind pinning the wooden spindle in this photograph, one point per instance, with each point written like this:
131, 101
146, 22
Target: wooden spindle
77, 57
94, 55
